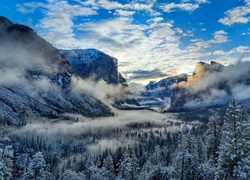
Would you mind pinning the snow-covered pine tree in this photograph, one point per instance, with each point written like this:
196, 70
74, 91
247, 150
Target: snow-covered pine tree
108, 168
92, 170
213, 137
185, 163
72, 175
4, 172
37, 168
135, 166
234, 155
125, 167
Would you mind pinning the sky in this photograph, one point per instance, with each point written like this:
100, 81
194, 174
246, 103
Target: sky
151, 39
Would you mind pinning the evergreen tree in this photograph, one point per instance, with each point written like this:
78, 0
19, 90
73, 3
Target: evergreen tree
234, 155
134, 166
125, 167
72, 175
185, 163
213, 137
108, 168
4, 172
92, 170
37, 168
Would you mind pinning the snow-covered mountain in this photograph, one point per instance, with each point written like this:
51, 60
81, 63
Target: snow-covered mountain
92, 63
210, 85
96, 65
158, 94
37, 80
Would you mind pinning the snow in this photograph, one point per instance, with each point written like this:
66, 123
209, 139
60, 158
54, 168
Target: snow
81, 56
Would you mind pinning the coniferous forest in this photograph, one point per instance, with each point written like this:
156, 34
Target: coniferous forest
217, 147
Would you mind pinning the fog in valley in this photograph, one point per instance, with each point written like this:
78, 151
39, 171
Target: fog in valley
103, 133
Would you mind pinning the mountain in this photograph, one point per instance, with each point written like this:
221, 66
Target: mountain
96, 65
158, 94
212, 85
209, 85
39, 81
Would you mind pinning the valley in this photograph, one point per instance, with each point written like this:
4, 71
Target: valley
70, 114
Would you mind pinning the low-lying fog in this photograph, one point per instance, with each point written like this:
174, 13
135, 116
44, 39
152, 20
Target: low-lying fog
107, 132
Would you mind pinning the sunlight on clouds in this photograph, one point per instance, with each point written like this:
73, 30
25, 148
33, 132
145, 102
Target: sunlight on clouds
154, 46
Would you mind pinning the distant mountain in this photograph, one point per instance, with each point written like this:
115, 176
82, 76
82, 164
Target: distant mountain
158, 94
210, 85
37, 80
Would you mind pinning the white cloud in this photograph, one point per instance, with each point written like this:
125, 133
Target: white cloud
183, 6
202, 1
220, 37
137, 46
153, 45
218, 52
120, 12
28, 7
198, 1
238, 14
199, 44
240, 49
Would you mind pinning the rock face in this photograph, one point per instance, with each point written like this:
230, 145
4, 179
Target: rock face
158, 94
91, 63
36, 80
96, 65
210, 85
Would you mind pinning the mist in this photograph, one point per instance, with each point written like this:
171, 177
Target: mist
107, 93
219, 87
105, 132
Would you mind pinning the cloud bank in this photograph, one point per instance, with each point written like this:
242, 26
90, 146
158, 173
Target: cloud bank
155, 43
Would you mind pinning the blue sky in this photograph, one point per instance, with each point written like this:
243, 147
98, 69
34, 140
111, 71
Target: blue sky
151, 38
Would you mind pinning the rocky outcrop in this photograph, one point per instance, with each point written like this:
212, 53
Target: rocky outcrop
96, 65
211, 85
35, 80
158, 94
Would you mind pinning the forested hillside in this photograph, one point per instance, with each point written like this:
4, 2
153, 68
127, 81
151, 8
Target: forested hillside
216, 149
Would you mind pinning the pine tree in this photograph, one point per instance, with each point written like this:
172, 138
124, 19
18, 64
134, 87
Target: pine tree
134, 166
37, 168
92, 170
234, 155
4, 172
185, 163
213, 137
125, 167
108, 168
72, 175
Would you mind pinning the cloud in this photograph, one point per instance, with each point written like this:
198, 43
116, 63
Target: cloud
120, 12
28, 7
145, 74
103, 128
219, 87
13, 65
57, 25
183, 6
107, 93
198, 1
199, 44
220, 37
238, 14
218, 52
156, 44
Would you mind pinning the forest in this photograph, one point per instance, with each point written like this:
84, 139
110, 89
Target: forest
215, 148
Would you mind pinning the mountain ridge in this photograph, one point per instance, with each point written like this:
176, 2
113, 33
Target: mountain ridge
37, 79
209, 85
